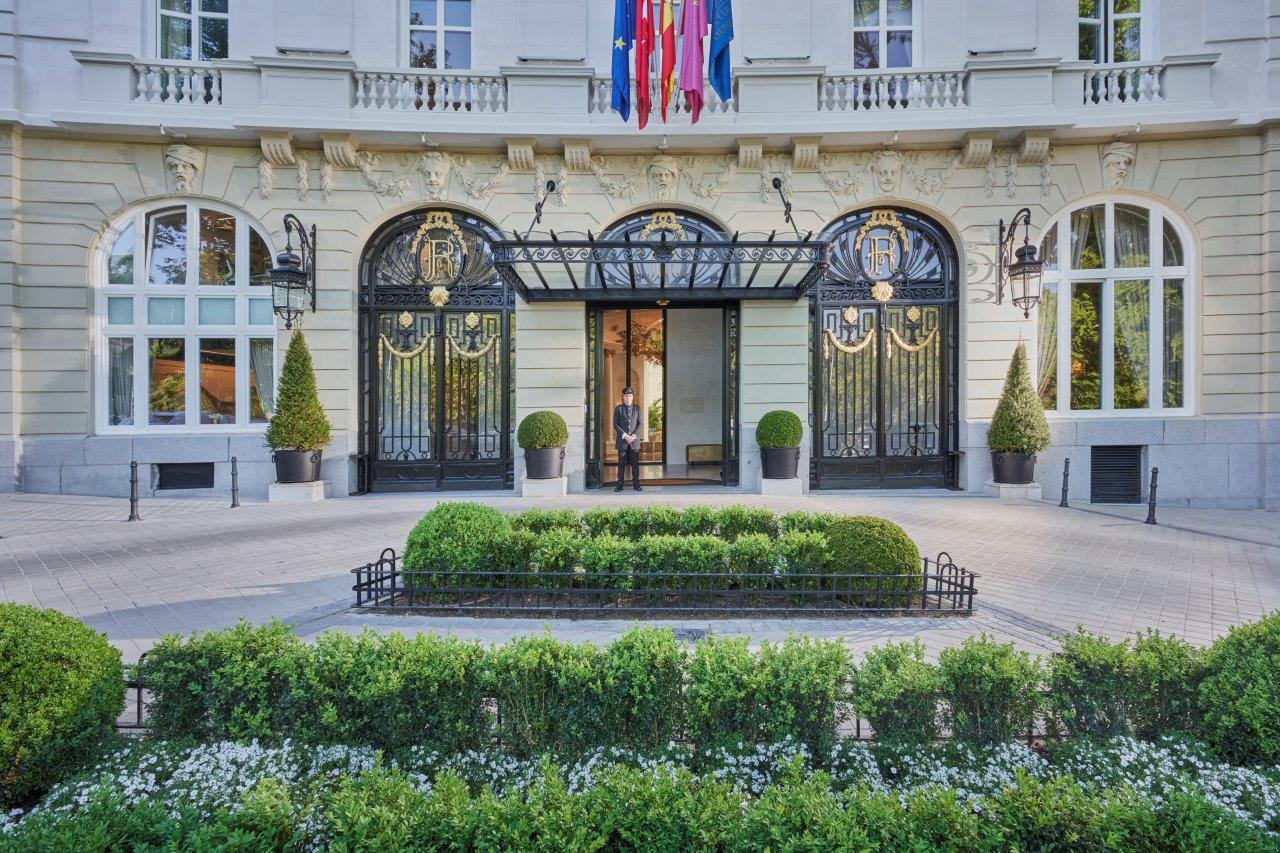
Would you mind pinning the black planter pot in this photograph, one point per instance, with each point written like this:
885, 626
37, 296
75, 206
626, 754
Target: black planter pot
297, 466
543, 463
779, 463
1013, 468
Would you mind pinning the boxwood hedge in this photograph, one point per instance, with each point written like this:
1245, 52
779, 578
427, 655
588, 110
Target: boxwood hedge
745, 547
61, 690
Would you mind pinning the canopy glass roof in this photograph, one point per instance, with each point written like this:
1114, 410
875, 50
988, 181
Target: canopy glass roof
660, 255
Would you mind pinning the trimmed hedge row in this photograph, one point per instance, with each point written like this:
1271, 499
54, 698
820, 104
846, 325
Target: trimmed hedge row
645, 690
625, 809
458, 539
61, 690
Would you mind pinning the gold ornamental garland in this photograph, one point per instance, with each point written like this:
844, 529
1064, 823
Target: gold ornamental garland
473, 355
829, 340
903, 345
384, 343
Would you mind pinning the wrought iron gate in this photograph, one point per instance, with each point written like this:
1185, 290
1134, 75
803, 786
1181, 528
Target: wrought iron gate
437, 380
883, 355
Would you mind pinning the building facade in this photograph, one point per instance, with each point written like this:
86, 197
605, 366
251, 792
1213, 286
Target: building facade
149, 150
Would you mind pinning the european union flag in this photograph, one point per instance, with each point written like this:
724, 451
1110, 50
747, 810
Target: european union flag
624, 33
721, 34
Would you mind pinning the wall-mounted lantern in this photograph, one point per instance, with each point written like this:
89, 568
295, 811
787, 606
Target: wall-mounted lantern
293, 278
1019, 270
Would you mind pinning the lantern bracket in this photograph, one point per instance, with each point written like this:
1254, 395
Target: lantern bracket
1023, 257
290, 268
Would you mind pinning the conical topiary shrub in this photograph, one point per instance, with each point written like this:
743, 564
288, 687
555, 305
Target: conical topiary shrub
1018, 429
299, 422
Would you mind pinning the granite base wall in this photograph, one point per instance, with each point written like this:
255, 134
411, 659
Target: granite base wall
99, 465
1210, 462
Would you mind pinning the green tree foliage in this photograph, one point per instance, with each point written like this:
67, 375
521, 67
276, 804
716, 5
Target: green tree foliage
542, 429
61, 689
299, 422
779, 428
1019, 425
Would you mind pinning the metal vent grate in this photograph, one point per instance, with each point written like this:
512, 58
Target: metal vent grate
1115, 474
184, 475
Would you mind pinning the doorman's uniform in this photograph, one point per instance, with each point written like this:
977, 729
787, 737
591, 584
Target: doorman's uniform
626, 421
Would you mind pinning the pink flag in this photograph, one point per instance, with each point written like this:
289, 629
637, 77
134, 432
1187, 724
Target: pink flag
693, 27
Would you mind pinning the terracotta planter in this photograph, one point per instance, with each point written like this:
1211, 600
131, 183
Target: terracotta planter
297, 466
1013, 468
779, 463
543, 463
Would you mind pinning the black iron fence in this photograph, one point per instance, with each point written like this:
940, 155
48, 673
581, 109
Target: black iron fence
938, 588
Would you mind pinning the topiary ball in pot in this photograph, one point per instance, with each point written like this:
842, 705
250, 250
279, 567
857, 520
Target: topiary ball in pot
1018, 430
299, 427
61, 689
543, 436
870, 546
779, 433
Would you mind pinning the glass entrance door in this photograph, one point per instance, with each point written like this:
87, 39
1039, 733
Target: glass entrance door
682, 364
634, 354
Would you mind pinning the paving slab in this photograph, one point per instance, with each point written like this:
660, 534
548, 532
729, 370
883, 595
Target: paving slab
196, 565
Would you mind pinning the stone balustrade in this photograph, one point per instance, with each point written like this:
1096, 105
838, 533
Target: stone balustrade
1124, 83
192, 83
892, 90
430, 91
600, 98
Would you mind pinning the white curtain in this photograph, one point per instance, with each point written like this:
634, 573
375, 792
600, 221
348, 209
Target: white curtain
264, 375
120, 382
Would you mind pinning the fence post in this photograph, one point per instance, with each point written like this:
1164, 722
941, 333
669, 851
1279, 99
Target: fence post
133, 492
1151, 498
235, 483
1066, 477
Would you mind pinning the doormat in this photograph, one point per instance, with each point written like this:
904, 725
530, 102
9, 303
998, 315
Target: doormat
671, 481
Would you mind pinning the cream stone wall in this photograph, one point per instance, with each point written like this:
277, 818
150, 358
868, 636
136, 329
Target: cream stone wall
1223, 187
773, 374
551, 369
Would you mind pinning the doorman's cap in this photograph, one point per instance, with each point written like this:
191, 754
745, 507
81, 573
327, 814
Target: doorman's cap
627, 390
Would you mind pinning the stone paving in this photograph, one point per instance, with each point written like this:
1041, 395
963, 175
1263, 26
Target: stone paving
192, 565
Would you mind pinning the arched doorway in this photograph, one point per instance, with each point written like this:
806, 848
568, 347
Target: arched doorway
884, 335
437, 357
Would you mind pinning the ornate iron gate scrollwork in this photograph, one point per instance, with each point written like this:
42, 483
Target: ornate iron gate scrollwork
883, 374
437, 360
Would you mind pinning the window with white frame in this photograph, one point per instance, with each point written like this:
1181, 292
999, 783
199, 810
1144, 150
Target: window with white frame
193, 29
1111, 30
883, 33
440, 33
185, 321
1115, 312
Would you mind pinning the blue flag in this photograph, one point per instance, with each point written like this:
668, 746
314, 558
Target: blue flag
624, 33
721, 34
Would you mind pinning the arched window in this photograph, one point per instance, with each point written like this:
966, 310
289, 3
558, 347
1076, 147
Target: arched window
676, 227
1115, 317
186, 327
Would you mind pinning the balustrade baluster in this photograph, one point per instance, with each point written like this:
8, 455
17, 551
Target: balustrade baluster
217, 87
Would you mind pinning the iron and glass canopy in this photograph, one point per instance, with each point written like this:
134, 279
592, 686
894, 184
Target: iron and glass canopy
660, 255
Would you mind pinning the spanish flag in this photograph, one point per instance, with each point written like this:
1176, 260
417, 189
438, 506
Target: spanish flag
667, 29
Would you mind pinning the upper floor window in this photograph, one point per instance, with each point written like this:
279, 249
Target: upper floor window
1111, 30
1115, 311
440, 33
883, 32
186, 326
193, 29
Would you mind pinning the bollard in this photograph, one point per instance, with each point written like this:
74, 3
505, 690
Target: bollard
133, 492
1151, 498
1066, 476
235, 484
